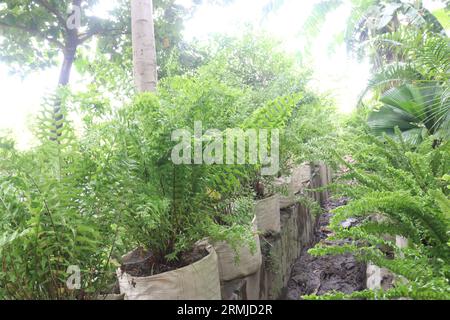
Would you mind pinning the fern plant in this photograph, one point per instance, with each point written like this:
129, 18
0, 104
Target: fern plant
191, 194
397, 191
42, 229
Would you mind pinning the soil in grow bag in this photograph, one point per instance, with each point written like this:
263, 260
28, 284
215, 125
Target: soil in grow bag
143, 263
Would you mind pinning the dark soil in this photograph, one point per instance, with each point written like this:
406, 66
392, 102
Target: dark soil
320, 275
143, 263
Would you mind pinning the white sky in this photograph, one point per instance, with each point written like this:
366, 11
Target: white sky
336, 73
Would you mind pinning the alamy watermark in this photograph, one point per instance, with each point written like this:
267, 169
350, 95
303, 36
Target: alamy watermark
230, 147
74, 280
74, 17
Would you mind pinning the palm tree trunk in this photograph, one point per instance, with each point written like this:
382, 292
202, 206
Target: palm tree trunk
144, 49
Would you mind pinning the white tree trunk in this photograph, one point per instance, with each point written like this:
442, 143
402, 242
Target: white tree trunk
144, 50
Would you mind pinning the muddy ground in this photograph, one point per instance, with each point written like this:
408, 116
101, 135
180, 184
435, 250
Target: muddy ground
319, 275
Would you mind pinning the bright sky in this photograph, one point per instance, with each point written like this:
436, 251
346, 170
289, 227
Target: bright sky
336, 73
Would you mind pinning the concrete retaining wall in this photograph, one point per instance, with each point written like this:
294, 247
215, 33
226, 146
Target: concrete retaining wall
282, 250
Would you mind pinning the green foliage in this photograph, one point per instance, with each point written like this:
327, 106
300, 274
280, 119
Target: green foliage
417, 56
305, 140
35, 31
21, 22
86, 197
413, 86
196, 201
42, 226
370, 19
275, 114
254, 61
417, 111
194, 193
175, 56
171, 206
397, 191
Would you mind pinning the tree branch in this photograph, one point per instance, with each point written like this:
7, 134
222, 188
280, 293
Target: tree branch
33, 32
54, 11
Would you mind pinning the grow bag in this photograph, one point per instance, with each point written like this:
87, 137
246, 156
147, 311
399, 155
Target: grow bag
287, 201
287, 195
295, 184
247, 264
267, 212
321, 177
301, 177
198, 281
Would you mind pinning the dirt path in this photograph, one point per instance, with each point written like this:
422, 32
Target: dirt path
319, 275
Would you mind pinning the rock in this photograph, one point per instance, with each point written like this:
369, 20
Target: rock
379, 278
111, 297
347, 224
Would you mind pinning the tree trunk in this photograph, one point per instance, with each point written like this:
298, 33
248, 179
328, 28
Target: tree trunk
71, 45
144, 50
64, 75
